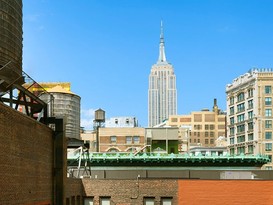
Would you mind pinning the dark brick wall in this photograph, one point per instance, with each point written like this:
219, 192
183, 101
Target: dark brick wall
131, 192
74, 191
26, 159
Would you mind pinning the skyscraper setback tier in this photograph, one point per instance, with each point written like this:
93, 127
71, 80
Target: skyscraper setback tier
162, 94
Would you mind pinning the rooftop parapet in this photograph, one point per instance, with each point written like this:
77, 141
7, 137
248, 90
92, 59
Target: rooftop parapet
249, 76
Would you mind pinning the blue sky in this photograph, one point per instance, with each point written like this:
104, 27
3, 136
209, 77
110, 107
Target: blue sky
106, 48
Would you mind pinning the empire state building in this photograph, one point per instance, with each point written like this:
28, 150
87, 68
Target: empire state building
162, 96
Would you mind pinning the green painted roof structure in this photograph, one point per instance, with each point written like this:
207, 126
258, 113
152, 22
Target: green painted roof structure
166, 160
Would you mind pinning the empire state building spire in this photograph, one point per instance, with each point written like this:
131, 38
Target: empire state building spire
162, 57
162, 93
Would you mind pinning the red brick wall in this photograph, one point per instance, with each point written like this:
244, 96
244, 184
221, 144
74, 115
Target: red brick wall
25, 158
225, 192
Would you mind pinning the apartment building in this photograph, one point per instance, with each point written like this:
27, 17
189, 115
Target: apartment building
249, 114
121, 139
205, 126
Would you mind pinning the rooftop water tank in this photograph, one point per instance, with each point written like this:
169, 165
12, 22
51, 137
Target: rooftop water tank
66, 105
11, 43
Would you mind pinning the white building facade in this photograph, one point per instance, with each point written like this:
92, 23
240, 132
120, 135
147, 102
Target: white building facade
249, 114
162, 94
121, 122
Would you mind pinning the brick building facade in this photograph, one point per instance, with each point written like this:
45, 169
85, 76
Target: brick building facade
26, 158
29, 173
121, 139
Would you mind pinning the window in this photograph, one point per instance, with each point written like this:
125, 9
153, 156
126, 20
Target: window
231, 140
88, 201
268, 146
250, 137
268, 112
136, 139
241, 107
268, 135
206, 134
231, 120
211, 134
231, 100
231, 110
232, 151
250, 115
211, 127
240, 97
240, 138
240, 128
166, 201
250, 104
149, 201
197, 127
268, 101
206, 127
128, 140
73, 198
267, 89
206, 141
113, 139
268, 124
241, 118
241, 150
113, 150
211, 141
250, 126
105, 200
78, 200
250, 149
231, 130
250, 93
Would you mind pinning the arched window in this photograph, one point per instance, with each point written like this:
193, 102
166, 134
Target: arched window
113, 150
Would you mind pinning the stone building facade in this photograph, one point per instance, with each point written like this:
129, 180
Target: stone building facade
204, 127
249, 114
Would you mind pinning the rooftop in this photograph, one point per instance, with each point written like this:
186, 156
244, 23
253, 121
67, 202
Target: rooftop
166, 160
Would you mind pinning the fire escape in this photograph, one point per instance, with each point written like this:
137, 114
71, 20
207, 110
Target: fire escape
24, 97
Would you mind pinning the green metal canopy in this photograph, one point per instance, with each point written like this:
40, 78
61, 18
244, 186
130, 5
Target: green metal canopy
166, 160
